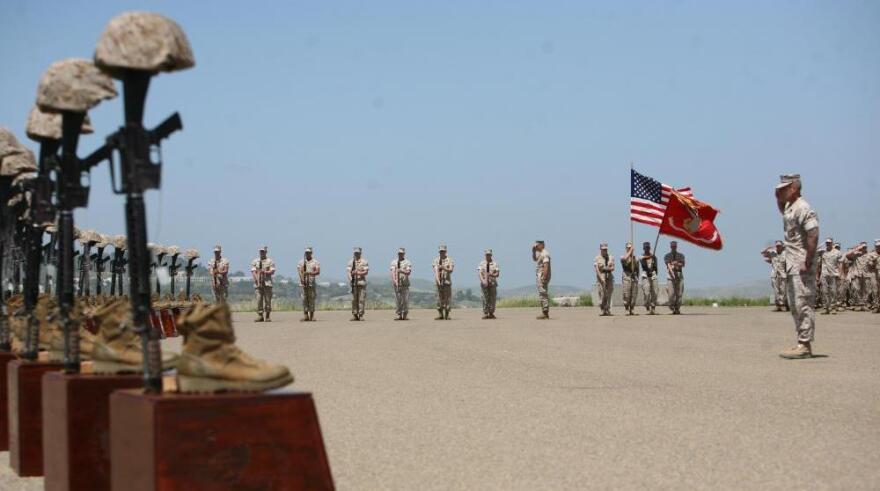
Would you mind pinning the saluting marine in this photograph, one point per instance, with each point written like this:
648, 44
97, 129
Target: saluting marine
829, 274
543, 271
603, 265
648, 262
308, 268
675, 268
218, 269
801, 239
488, 272
262, 270
630, 266
443, 267
401, 268
861, 286
358, 268
774, 257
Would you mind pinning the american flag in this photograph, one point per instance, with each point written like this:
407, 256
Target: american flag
648, 199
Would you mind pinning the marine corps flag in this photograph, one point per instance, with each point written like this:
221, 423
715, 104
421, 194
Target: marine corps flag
691, 220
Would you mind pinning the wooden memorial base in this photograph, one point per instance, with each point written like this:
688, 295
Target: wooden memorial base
26, 414
5, 358
216, 441
76, 428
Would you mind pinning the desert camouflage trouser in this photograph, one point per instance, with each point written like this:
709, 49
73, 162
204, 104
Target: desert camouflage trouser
221, 293
444, 296
543, 294
359, 300
779, 294
308, 298
801, 290
630, 291
264, 300
649, 290
829, 291
490, 296
401, 297
842, 291
676, 292
606, 291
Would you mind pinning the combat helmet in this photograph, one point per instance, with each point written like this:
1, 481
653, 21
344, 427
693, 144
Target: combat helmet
45, 124
75, 85
143, 41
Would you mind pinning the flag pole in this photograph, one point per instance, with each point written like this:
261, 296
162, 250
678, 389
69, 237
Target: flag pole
631, 224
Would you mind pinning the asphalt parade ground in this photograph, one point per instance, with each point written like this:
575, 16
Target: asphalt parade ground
700, 400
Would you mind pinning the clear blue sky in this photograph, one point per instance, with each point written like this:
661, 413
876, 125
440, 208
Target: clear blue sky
384, 124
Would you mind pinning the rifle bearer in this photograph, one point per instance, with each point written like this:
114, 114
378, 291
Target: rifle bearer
358, 268
218, 268
262, 270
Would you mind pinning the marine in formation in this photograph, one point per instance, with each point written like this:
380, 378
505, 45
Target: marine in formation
308, 268
357, 269
443, 266
262, 271
401, 269
675, 268
543, 272
488, 273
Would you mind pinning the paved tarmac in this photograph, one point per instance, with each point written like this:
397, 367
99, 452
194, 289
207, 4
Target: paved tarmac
582, 402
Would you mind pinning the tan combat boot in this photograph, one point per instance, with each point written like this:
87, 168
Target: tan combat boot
210, 361
117, 348
56, 335
802, 350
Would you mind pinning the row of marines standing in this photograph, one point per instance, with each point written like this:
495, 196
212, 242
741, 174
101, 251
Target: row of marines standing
309, 268
488, 272
848, 278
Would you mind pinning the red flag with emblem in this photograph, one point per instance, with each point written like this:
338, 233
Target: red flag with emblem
691, 220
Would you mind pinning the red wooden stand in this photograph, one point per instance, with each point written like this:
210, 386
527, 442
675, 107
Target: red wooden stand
5, 358
76, 428
216, 441
26, 415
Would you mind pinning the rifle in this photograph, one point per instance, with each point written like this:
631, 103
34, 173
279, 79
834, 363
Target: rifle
172, 270
99, 259
261, 280
138, 173
488, 272
353, 272
84, 262
305, 278
189, 268
5, 345
397, 273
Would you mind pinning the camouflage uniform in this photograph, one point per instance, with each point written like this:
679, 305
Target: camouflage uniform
874, 269
263, 291
630, 270
798, 219
490, 290
860, 279
542, 258
218, 270
605, 265
649, 281
444, 288
676, 283
308, 270
359, 289
777, 278
829, 272
402, 268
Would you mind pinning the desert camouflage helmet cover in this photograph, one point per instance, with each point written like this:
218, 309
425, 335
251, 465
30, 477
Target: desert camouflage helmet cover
143, 41
103, 240
19, 162
86, 236
9, 144
191, 254
74, 84
120, 242
172, 250
46, 124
